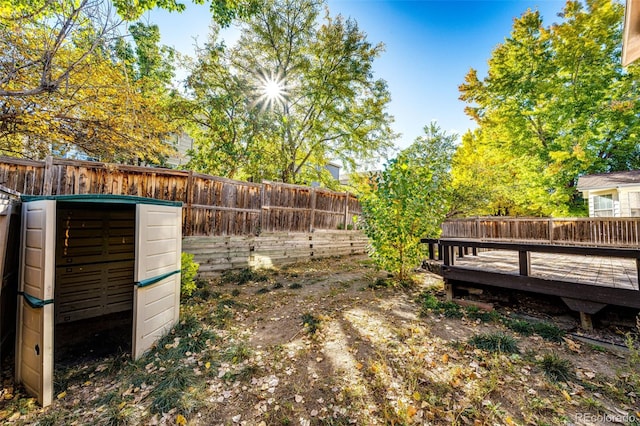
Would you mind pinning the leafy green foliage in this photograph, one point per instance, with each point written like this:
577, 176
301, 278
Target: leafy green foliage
556, 104
64, 88
222, 11
408, 201
323, 103
188, 270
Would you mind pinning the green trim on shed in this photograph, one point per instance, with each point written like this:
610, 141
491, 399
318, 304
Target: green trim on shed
101, 198
34, 302
150, 281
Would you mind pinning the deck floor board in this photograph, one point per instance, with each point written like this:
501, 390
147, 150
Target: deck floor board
593, 270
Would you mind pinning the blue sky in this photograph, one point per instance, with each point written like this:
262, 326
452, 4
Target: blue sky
430, 47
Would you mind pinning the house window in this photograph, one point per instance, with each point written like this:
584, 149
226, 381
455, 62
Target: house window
603, 205
634, 204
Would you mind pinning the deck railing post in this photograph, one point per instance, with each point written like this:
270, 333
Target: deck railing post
524, 261
448, 255
551, 230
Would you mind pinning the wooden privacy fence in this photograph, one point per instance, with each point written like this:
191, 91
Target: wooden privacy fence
211, 205
615, 232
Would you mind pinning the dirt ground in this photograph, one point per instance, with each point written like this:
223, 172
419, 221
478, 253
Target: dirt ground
320, 343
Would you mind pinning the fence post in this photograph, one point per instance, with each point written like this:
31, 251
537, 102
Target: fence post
262, 201
189, 200
313, 209
550, 230
346, 209
47, 176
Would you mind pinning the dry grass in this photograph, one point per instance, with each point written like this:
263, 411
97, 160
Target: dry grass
328, 348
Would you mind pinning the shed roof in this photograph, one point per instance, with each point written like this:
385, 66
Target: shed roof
101, 198
608, 180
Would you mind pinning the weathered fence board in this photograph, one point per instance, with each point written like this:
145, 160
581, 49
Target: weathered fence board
599, 231
212, 205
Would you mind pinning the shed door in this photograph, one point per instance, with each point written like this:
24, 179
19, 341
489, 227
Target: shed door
156, 300
34, 343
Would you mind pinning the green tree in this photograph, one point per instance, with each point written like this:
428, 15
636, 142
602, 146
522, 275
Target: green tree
222, 11
62, 87
291, 95
555, 104
408, 201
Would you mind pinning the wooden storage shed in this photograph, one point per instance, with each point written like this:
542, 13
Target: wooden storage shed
87, 257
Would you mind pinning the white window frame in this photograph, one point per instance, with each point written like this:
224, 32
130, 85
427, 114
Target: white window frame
600, 211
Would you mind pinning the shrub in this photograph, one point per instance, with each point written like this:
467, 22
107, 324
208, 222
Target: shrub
189, 270
408, 201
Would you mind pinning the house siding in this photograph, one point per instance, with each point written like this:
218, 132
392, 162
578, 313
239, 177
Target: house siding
625, 201
628, 200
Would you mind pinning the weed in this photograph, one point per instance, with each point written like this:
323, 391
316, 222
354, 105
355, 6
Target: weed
175, 390
597, 348
235, 292
52, 418
222, 313
451, 310
593, 404
295, 286
114, 363
237, 353
199, 340
277, 286
381, 283
475, 313
548, 331
263, 290
120, 414
245, 373
108, 397
311, 323
495, 342
244, 276
203, 291
544, 329
524, 328
429, 303
556, 368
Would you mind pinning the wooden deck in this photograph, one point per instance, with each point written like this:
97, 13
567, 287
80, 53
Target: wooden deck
586, 278
592, 270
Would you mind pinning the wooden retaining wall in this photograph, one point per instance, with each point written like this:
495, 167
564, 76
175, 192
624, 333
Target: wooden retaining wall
211, 205
216, 254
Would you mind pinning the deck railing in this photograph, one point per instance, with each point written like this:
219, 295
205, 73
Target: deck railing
612, 232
